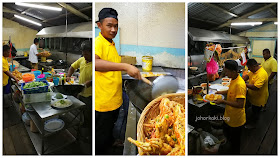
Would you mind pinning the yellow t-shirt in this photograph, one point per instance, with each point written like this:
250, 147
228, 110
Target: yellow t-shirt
85, 74
5, 68
270, 65
236, 116
260, 80
108, 85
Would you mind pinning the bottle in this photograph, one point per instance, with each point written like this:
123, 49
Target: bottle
62, 80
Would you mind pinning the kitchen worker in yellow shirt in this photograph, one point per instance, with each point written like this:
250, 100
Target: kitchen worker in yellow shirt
85, 65
270, 66
108, 80
234, 115
6, 72
257, 89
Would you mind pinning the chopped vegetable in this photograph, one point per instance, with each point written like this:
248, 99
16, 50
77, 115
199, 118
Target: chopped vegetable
166, 116
58, 96
34, 84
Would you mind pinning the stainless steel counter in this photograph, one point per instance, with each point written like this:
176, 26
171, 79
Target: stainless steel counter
131, 129
156, 69
22, 69
45, 110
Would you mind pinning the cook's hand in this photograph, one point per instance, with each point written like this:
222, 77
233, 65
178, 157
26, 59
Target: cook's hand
133, 72
17, 80
68, 79
219, 101
88, 84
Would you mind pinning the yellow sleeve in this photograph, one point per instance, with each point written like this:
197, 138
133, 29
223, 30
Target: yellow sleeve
262, 78
98, 47
274, 66
5, 65
241, 91
77, 63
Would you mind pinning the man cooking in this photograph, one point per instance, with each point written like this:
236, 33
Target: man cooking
257, 89
33, 54
235, 106
108, 80
85, 65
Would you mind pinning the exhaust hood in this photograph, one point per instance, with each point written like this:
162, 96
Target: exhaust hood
215, 36
79, 30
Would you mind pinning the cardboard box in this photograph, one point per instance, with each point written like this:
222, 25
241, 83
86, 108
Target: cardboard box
128, 59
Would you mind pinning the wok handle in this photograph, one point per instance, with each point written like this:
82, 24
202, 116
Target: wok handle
146, 80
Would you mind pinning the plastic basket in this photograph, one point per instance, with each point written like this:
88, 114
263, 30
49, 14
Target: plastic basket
41, 89
37, 97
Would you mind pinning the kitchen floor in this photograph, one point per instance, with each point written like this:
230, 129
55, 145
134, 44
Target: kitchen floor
16, 140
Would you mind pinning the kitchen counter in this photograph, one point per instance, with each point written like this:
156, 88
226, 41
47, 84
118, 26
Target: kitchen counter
23, 69
155, 69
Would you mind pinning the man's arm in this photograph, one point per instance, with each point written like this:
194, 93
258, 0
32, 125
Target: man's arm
252, 87
245, 78
70, 73
104, 66
8, 73
237, 104
271, 76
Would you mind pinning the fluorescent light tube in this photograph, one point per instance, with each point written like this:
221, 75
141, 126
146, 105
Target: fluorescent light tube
38, 6
25, 19
276, 23
246, 23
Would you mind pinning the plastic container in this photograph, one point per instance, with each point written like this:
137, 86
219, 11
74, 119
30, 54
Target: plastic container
12, 67
37, 97
56, 81
28, 77
147, 63
47, 74
43, 59
40, 77
41, 89
37, 73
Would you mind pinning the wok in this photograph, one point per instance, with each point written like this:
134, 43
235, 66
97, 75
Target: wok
73, 90
141, 93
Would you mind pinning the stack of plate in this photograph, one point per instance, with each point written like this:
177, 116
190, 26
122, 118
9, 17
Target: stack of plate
54, 125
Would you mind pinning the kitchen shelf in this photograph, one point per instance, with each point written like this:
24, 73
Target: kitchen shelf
53, 143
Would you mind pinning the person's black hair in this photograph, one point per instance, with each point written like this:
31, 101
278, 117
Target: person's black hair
266, 50
36, 40
231, 65
252, 62
86, 46
6, 48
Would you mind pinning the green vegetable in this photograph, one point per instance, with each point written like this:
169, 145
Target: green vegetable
62, 102
58, 96
175, 139
166, 116
34, 84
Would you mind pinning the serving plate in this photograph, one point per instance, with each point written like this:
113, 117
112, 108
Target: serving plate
212, 102
61, 107
54, 125
54, 98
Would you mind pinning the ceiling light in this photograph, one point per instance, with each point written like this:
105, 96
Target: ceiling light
25, 19
38, 6
276, 23
246, 23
